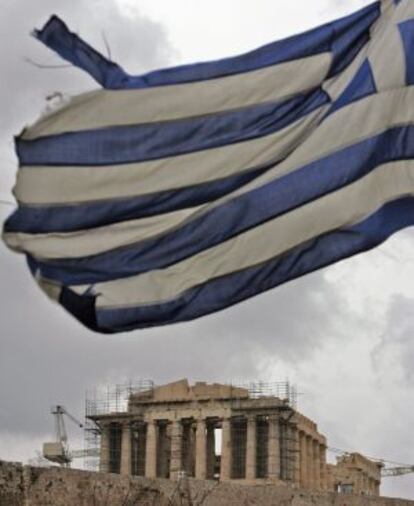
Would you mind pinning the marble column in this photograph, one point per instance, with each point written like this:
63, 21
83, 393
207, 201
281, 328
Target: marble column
273, 466
309, 460
358, 483
201, 450
290, 458
303, 461
323, 471
363, 484
104, 450
316, 466
126, 450
151, 450
225, 464
251, 448
176, 449
211, 451
370, 486
296, 454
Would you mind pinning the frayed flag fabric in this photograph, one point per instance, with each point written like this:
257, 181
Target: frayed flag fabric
164, 197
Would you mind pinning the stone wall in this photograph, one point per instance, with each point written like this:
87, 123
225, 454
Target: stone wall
31, 486
11, 484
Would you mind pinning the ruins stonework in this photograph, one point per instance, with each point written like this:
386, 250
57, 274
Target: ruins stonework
355, 474
55, 486
171, 431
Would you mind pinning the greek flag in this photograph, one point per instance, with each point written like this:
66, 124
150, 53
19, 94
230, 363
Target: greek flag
167, 196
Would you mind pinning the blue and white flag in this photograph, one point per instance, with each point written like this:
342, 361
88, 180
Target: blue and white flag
164, 197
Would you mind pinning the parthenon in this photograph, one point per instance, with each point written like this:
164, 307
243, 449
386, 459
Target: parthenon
215, 431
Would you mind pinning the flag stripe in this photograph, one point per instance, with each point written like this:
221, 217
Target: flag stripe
206, 230
360, 120
42, 185
404, 12
387, 57
86, 242
103, 108
160, 140
335, 210
365, 118
58, 220
343, 37
407, 33
362, 85
219, 293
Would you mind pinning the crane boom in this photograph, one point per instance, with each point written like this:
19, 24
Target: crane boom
90, 452
71, 417
386, 472
58, 451
397, 471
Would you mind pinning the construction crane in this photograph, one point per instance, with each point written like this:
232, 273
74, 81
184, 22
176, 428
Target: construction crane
58, 451
397, 471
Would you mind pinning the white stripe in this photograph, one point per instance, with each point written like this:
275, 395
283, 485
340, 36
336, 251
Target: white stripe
97, 240
354, 123
343, 208
103, 108
363, 119
64, 185
404, 11
387, 6
50, 288
387, 54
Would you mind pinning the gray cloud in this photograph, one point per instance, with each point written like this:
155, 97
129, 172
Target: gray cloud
396, 343
136, 42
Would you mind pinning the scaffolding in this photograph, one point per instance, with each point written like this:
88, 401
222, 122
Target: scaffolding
108, 400
114, 399
283, 390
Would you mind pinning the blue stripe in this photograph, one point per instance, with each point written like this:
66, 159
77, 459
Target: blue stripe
226, 291
221, 223
343, 37
68, 218
361, 86
407, 35
350, 35
56, 35
151, 141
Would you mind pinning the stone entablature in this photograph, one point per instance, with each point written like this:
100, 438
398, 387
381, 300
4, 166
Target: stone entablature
181, 391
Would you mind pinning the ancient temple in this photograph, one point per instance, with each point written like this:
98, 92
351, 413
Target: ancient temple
223, 432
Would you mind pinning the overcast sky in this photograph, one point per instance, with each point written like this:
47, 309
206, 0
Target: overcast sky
343, 335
